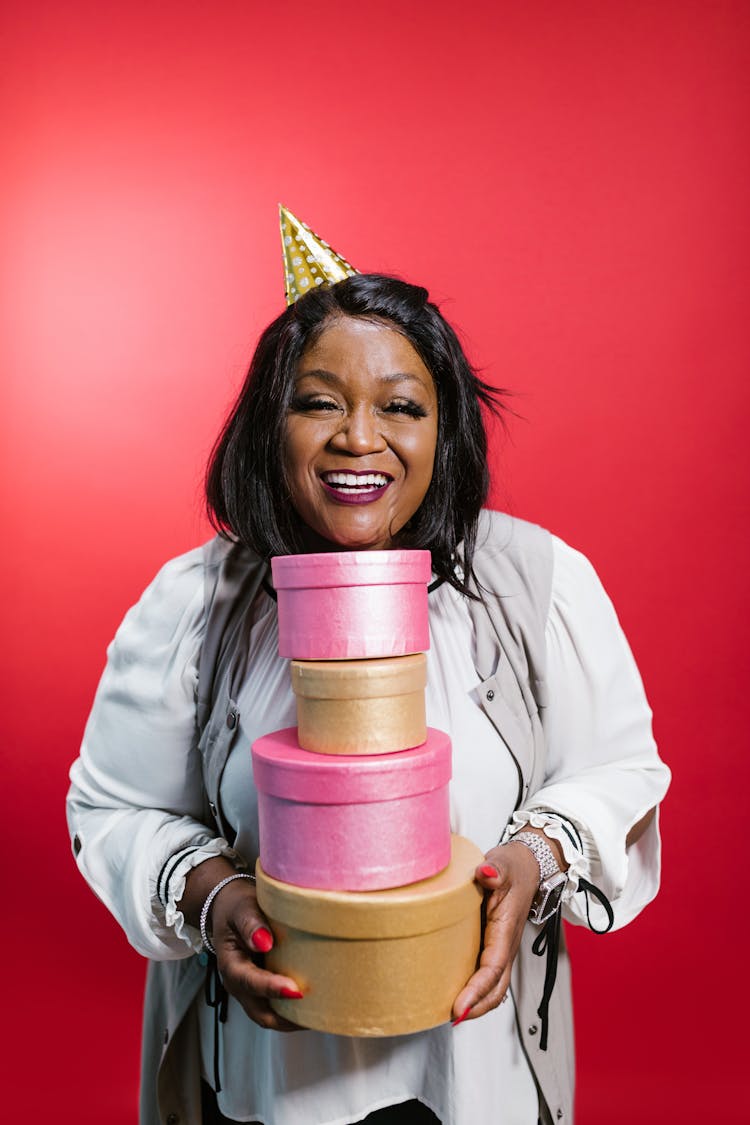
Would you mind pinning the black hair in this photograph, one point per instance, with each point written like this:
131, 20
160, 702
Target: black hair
247, 495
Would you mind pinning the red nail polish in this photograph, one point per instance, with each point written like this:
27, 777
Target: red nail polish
262, 939
462, 1017
489, 871
290, 994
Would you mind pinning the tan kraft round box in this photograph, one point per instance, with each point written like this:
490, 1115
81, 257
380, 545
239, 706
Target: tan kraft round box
361, 706
376, 963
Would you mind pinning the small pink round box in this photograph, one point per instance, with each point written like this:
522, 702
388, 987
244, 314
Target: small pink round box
352, 605
352, 823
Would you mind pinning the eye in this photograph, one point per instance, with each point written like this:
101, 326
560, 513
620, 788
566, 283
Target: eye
406, 406
307, 404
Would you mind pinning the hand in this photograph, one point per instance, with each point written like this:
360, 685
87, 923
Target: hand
510, 879
240, 934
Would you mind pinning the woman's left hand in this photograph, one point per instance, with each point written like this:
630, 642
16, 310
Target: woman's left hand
510, 878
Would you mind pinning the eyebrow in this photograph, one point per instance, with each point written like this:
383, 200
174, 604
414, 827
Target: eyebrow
333, 379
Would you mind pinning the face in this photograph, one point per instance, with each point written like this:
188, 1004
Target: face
359, 443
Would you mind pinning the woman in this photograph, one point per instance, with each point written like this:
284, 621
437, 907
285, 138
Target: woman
359, 427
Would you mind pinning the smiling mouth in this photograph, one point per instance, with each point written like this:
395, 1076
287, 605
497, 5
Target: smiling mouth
355, 486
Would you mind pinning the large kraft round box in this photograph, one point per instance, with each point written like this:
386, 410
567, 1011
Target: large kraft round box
388, 962
352, 823
352, 605
361, 706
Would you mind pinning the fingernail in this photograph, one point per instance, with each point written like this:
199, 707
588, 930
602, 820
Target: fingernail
290, 994
462, 1017
262, 939
489, 871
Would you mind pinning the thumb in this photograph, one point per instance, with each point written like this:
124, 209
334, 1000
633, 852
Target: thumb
240, 914
491, 875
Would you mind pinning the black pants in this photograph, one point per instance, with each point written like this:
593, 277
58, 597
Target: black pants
408, 1113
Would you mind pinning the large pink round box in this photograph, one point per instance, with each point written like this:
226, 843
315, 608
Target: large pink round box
352, 823
352, 605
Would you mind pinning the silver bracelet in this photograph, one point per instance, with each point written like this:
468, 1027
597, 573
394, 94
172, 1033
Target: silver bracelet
541, 851
209, 902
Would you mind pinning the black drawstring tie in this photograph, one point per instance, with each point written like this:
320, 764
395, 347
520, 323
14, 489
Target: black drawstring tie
548, 941
590, 889
216, 998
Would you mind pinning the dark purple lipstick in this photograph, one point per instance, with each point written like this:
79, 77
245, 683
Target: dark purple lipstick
355, 487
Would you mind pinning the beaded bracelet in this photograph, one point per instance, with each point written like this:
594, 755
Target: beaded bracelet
209, 901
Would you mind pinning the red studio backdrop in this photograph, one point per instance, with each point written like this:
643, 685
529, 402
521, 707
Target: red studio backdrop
570, 182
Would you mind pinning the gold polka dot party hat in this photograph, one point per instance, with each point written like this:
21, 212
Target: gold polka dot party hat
308, 260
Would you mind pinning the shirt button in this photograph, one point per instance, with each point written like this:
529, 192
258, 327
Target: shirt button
173, 1118
559, 1114
533, 1029
232, 720
212, 807
490, 695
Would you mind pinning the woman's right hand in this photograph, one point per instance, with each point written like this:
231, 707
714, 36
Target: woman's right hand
241, 935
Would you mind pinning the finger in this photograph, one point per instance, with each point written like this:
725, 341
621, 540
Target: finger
242, 976
254, 988
240, 918
261, 1012
502, 933
474, 1000
492, 877
253, 929
487, 981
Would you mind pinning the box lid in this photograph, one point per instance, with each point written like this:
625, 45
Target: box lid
283, 769
359, 679
351, 568
397, 912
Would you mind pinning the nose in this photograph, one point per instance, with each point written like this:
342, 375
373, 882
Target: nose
358, 434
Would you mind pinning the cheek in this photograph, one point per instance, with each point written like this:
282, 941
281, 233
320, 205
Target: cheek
294, 452
424, 450
301, 444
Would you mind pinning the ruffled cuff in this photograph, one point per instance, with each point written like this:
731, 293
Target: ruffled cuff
561, 830
172, 885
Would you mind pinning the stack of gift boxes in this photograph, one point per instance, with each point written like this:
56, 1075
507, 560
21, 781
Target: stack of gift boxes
373, 903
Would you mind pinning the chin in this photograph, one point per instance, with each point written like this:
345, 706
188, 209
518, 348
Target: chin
355, 543
338, 539
359, 539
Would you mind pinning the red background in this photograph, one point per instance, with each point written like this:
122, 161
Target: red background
570, 180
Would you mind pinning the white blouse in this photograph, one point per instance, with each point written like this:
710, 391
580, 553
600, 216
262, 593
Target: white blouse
136, 797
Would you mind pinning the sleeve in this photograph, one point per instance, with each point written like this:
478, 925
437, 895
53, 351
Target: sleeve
136, 793
603, 770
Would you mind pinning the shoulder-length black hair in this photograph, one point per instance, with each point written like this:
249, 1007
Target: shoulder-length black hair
247, 493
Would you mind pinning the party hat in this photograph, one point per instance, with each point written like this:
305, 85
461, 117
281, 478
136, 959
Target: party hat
308, 260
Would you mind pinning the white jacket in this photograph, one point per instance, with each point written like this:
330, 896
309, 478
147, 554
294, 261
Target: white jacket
128, 816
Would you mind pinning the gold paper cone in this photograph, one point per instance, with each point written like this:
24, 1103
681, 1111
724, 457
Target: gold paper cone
308, 260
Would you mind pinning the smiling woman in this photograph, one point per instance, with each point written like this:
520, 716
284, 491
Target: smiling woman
360, 428
360, 437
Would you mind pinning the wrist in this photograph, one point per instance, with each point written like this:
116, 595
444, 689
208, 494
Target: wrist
204, 924
552, 879
554, 845
199, 883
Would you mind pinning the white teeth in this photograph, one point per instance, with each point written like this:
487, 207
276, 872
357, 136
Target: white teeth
352, 480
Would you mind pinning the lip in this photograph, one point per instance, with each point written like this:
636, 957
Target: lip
368, 497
